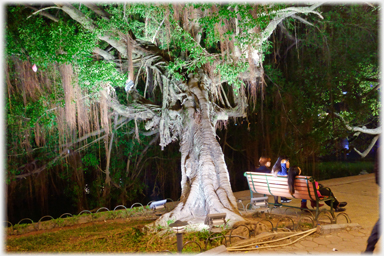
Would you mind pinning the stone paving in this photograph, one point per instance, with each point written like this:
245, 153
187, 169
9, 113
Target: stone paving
361, 193
344, 242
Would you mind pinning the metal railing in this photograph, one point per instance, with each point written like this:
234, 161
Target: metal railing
28, 225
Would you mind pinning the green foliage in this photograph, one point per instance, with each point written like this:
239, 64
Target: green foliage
331, 70
137, 234
203, 234
170, 221
159, 228
187, 53
230, 73
93, 75
329, 170
59, 222
90, 160
60, 42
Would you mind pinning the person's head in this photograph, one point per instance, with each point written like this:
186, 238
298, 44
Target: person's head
292, 173
277, 166
285, 161
265, 161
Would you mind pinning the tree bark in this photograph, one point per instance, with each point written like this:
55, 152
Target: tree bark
205, 180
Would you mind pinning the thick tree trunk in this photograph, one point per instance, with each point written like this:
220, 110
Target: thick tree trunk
205, 180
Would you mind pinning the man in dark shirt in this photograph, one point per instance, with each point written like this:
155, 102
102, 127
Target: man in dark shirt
265, 163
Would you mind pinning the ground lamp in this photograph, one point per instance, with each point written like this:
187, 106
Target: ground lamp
214, 220
260, 202
179, 226
157, 205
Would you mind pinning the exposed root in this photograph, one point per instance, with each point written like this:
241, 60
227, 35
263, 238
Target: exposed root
195, 222
251, 246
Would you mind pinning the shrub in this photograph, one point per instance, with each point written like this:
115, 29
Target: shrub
329, 170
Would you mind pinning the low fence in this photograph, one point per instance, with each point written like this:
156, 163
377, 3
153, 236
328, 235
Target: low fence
26, 225
46, 222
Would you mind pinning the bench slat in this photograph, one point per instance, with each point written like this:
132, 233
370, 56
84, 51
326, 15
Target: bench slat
278, 179
299, 186
274, 186
272, 175
279, 190
286, 194
282, 182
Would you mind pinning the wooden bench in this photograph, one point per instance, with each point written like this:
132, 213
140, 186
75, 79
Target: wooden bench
268, 184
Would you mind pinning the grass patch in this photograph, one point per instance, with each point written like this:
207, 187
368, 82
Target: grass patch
134, 235
113, 236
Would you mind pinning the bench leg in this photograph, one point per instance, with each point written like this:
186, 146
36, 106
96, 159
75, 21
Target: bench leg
333, 212
333, 221
317, 210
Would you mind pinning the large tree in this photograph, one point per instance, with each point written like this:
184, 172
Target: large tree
190, 67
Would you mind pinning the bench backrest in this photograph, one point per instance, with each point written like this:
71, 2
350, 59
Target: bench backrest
266, 183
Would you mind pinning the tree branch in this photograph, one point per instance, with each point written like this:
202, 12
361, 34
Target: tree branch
371, 79
286, 32
157, 31
142, 111
143, 154
285, 13
376, 131
106, 55
377, 87
98, 10
365, 153
95, 133
149, 133
87, 23
140, 47
42, 13
239, 150
42, 168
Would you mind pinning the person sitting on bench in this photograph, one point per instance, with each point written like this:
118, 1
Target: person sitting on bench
265, 163
321, 192
280, 168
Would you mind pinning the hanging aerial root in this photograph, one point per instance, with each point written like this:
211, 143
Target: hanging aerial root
66, 72
252, 246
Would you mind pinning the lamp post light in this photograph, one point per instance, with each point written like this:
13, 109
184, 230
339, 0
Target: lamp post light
179, 226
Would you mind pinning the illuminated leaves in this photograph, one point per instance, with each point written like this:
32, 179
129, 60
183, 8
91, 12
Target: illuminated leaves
55, 42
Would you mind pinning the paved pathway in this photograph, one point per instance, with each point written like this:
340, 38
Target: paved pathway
361, 193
